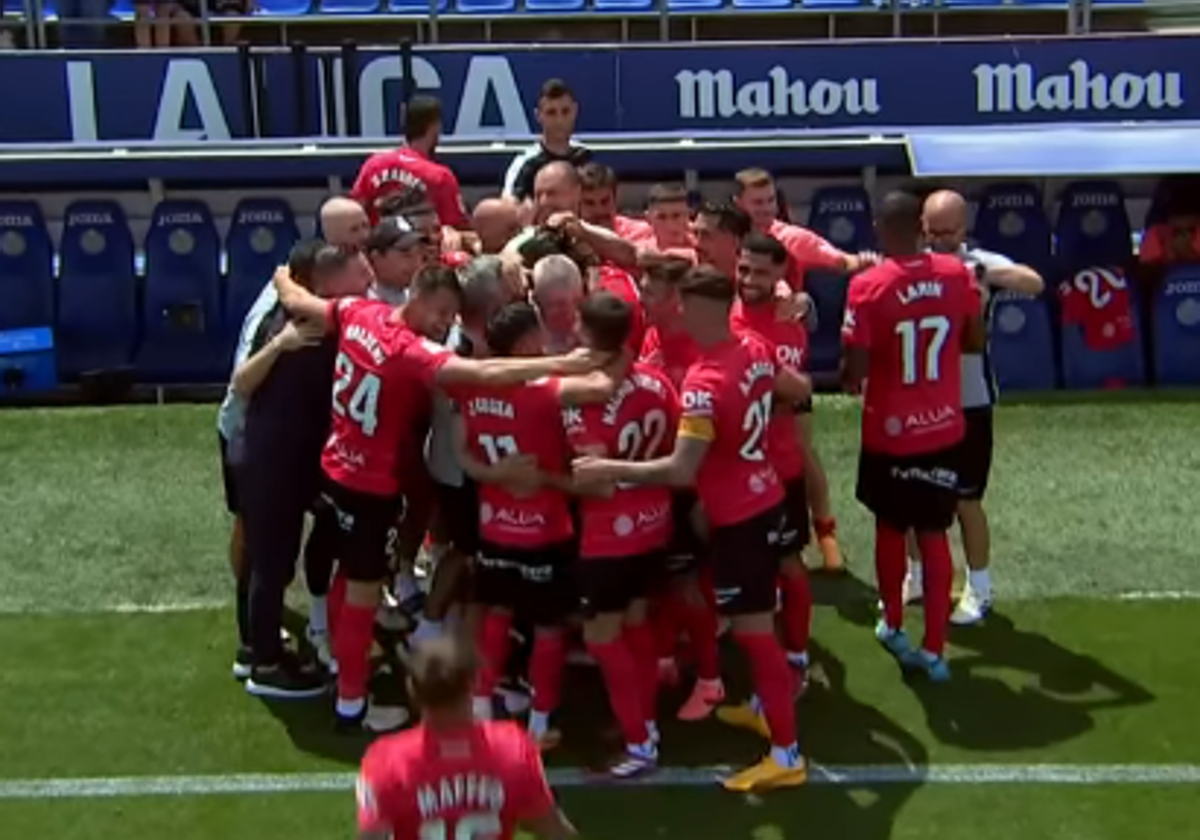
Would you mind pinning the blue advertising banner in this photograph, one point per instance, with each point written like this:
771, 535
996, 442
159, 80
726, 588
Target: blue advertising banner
180, 97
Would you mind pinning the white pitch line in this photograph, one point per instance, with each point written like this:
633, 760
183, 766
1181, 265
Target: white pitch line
842, 776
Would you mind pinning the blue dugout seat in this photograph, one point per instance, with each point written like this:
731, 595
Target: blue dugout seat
485, 7
26, 267
415, 7
695, 5
1176, 320
1085, 368
623, 5
843, 216
182, 339
1092, 227
554, 6
349, 7
1021, 339
763, 5
282, 8
97, 312
261, 235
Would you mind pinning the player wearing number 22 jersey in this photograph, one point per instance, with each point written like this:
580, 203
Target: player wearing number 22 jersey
907, 322
721, 447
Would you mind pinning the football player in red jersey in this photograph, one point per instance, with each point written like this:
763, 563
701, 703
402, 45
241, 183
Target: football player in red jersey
687, 605
761, 266
721, 448
624, 536
382, 396
526, 544
908, 321
452, 776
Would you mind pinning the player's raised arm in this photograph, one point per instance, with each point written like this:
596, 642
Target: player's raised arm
299, 301
493, 373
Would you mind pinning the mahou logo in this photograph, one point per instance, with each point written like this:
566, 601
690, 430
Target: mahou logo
709, 94
1005, 88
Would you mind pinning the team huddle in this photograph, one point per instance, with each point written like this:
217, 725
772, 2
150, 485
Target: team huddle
650, 479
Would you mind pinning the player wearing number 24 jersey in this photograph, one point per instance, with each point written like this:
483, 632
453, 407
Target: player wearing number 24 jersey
907, 324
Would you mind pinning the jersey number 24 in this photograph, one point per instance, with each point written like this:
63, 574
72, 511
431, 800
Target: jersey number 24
363, 404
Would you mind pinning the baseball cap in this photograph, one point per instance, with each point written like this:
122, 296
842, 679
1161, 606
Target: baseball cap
393, 232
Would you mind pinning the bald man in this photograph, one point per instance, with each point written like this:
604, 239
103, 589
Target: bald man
944, 220
496, 221
556, 189
344, 223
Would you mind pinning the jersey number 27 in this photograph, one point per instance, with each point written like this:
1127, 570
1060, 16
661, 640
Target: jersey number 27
363, 404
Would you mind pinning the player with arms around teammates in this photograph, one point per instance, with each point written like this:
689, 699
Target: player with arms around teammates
453, 777
908, 322
721, 448
386, 368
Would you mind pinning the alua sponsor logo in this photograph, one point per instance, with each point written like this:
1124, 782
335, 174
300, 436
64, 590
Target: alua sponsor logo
708, 94
1005, 88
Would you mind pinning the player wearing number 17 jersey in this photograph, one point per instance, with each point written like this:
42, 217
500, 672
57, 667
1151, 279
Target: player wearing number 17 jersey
382, 396
907, 323
453, 778
722, 448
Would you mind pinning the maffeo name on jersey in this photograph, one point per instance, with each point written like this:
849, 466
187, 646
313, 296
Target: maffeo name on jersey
461, 792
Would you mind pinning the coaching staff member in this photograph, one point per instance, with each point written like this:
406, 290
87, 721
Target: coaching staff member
944, 220
286, 426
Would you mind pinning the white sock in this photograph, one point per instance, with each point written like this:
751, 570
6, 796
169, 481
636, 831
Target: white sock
916, 572
351, 708
647, 750
981, 583
787, 756
481, 708
318, 614
798, 659
539, 722
426, 630
406, 586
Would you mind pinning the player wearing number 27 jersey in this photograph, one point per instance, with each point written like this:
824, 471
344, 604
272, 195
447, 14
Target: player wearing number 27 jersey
907, 323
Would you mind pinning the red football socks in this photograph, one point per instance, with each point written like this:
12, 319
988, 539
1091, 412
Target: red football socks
700, 622
797, 610
891, 563
772, 683
939, 570
664, 617
546, 670
352, 648
641, 645
621, 679
494, 644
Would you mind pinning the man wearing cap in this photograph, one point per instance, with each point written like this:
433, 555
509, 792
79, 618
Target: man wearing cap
396, 255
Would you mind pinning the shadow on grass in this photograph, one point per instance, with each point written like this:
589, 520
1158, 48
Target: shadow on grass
1011, 688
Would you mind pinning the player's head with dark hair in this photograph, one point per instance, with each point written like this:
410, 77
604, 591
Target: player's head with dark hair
435, 299
441, 673
762, 263
605, 321
338, 272
719, 228
423, 123
302, 258
667, 212
898, 223
556, 112
515, 330
706, 295
756, 195
598, 201
661, 277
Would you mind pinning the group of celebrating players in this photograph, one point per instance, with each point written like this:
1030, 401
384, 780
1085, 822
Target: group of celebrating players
613, 421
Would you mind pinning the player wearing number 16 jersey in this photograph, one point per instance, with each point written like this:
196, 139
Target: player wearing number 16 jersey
382, 395
452, 778
907, 323
722, 448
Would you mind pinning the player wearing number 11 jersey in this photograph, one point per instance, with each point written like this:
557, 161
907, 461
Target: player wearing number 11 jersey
382, 396
907, 323
722, 448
